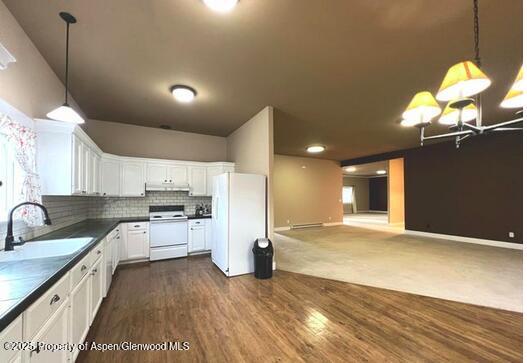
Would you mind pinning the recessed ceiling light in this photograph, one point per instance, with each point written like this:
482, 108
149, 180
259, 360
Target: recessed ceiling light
183, 94
221, 6
315, 149
381, 172
350, 169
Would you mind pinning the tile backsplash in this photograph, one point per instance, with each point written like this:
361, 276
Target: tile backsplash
64, 211
138, 207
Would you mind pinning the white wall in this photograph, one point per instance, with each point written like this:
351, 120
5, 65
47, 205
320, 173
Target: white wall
251, 147
148, 142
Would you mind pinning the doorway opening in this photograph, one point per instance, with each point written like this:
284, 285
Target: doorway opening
373, 193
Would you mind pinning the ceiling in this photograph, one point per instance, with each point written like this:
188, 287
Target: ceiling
369, 169
338, 72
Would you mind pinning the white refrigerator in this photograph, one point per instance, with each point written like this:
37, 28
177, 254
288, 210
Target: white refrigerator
238, 219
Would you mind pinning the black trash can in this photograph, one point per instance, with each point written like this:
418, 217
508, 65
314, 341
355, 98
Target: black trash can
263, 258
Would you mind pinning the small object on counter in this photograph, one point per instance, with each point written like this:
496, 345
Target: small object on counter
200, 210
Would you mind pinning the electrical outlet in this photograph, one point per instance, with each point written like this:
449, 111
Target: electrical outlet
511, 234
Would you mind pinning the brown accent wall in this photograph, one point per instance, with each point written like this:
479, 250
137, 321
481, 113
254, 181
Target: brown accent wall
379, 194
306, 190
149, 142
475, 191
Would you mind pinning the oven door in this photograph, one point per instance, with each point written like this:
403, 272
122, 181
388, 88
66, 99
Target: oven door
168, 233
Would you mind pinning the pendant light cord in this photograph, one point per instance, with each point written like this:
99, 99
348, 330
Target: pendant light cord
477, 58
67, 61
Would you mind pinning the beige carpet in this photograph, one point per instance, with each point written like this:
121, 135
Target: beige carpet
470, 273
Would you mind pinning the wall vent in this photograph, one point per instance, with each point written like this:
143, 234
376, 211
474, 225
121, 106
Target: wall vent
307, 225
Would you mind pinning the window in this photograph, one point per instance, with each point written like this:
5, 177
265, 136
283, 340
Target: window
11, 177
347, 195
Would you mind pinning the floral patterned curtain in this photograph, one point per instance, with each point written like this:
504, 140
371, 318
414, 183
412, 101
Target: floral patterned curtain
23, 141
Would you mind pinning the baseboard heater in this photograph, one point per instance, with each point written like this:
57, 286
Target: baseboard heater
307, 225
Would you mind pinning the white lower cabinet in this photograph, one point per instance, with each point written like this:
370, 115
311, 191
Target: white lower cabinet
199, 235
55, 331
80, 312
136, 244
96, 285
13, 333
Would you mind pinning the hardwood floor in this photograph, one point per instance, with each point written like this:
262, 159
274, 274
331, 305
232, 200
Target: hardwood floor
291, 317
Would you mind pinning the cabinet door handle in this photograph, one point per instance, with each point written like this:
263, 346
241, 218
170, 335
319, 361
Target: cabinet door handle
83, 267
94, 271
144, 232
54, 299
98, 252
137, 226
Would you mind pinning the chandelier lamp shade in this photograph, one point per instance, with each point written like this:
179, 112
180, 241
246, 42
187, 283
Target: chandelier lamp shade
451, 115
65, 112
461, 88
422, 109
514, 99
463, 79
518, 84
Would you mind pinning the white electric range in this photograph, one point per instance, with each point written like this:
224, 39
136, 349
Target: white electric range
168, 232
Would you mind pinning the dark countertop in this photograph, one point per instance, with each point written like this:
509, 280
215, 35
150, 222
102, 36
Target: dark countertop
193, 216
23, 282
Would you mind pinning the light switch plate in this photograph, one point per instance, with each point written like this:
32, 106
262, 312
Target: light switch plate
511, 234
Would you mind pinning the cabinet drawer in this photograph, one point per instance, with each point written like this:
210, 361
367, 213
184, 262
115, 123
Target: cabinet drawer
96, 252
80, 270
13, 333
137, 226
42, 309
197, 222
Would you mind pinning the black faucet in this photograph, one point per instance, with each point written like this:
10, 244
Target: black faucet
9, 239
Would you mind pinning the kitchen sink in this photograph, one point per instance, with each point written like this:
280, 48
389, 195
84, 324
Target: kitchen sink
43, 249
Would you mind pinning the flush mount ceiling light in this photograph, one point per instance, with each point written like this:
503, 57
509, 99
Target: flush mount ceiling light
381, 172
350, 169
221, 6
65, 113
464, 79
314, 149
183, 93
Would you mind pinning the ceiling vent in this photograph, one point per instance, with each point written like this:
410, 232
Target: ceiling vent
5, 57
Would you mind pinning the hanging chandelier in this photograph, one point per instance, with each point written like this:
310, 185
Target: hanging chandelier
461, 89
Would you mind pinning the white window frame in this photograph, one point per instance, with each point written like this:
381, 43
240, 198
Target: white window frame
11, 176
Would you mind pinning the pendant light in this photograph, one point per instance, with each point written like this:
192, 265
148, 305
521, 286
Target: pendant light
66, 113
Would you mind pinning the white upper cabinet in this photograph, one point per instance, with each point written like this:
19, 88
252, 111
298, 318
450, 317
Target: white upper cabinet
77, 166
164, 174
132, 179
110, 177
70, 163
157, 173
178, 175
65, 159
198, 180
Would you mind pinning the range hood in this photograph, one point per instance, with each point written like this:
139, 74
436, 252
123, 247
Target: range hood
166, 187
